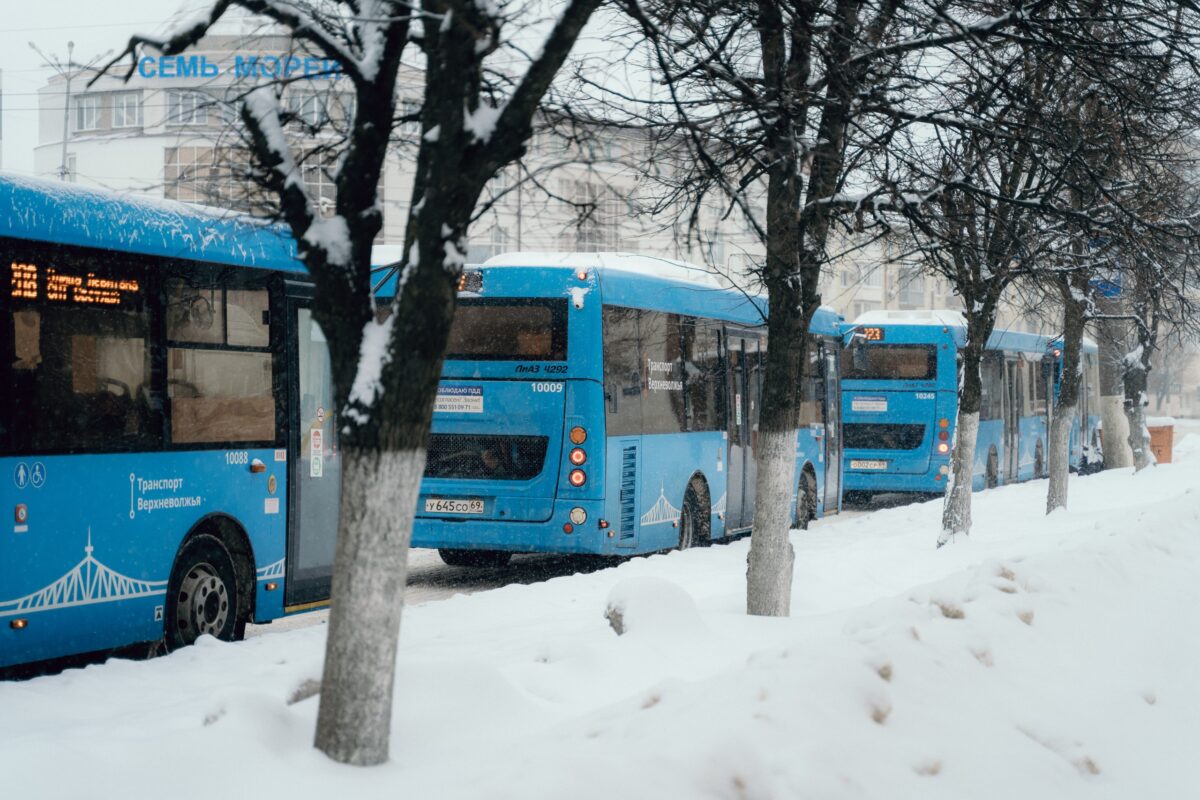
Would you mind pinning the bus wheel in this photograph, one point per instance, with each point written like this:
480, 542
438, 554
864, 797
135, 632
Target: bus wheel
806, 500
474, 558
993, 469
694, 521
202, 594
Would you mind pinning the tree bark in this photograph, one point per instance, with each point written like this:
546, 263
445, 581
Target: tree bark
379, 496
1112, 337
1135, 411
1066, 403
956, 512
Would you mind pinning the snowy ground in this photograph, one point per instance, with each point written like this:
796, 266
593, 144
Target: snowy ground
1043, 658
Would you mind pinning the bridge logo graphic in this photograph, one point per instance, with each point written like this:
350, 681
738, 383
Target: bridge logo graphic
88, 583
661, 512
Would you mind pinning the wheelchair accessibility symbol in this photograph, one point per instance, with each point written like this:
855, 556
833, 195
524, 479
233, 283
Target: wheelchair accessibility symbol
37, 474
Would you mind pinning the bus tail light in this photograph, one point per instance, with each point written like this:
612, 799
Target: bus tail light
577, 456
577, 478
578, 516
943, 423
568, 527
19, 624
943, 435
577, 435
943, 448
603, 524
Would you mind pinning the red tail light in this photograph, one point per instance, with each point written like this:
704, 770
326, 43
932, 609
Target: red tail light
577, 477
577, 456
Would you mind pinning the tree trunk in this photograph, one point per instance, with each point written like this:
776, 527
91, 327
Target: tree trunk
1067, 402
956, 512
379, 495
1113, 344
1135, 411
771, 559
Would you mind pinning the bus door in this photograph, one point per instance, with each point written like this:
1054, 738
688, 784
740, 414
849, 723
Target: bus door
740, 348
314, 463
1014, 370
833, 429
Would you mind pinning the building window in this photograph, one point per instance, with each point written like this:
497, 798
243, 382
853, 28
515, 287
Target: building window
127, 110
308, 108
912, 287
319, 183
87, 112
873, 276
598, 214
187, 108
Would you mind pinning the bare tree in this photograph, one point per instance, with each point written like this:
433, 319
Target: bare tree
780, 105
474, 120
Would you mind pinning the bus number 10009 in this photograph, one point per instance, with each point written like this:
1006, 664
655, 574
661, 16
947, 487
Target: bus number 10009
547, 387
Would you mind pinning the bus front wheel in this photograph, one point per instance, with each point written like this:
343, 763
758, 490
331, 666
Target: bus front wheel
202, 595
474, 558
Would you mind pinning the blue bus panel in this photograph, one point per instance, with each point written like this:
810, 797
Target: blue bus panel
900, 403
153, 392
592, 448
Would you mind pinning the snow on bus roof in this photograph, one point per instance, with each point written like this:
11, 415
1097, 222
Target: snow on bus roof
56, 212
635, 263
948, 317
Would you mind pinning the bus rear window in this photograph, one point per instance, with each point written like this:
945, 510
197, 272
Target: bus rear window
890, 362
510, 329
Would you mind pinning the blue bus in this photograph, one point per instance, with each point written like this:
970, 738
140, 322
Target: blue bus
168, 454
900, 404
608, 404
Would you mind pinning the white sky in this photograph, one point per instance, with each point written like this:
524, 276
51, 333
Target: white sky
94, 27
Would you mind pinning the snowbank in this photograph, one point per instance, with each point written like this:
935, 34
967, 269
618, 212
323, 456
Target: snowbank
1042, 658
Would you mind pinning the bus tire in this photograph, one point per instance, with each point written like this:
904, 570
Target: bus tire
695, 520
806, 499
474, 558
202, 595
992, 479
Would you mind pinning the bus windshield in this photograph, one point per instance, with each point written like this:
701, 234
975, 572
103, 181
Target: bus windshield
890, 362
509, 329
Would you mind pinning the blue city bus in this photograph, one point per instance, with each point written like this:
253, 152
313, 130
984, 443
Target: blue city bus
900, 404
608, 404
168, 454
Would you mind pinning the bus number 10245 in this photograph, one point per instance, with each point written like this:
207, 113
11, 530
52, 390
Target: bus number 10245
547, 387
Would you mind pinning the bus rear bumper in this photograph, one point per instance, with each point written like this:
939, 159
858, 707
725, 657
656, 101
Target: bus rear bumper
925, 482
550, 536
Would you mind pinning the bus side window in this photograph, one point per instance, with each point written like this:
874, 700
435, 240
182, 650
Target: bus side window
812, 385
219, 366
992, 375
80, 377
704, 376
661, 337
622, 371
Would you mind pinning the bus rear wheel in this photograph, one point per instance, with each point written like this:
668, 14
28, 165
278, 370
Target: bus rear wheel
695, 521
474, 558
806, 500
202, 595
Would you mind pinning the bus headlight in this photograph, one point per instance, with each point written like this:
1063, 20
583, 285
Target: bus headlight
578, 515
577, 478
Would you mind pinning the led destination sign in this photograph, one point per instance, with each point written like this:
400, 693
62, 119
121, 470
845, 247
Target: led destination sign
31, 282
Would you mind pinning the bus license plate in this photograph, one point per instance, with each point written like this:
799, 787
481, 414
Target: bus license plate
453, 505
867, 463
